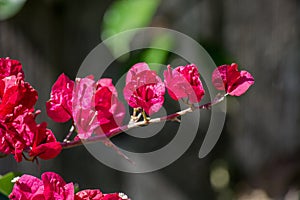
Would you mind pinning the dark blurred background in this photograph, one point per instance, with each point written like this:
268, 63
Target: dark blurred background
257, 156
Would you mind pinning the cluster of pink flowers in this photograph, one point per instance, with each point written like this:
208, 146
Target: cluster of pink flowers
95, 109
144, 89
234, 82
53, 187
18, 129
93, 106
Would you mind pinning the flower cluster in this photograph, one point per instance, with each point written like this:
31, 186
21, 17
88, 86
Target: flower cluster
234, 82
93, 106
19, 131
52, 186
95, 110
184, 82
145, 90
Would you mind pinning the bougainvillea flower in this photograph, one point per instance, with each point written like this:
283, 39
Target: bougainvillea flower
17, 117
51, 187
144, 89
96, 108
97, 195
135, 69
22, 133
59, 106
17, 134
84, 113
19, 131
89, 195
45, 145
110, 110
56, 188
15, 92
184, 82
234, 82
115, 196
9, 67
27, 187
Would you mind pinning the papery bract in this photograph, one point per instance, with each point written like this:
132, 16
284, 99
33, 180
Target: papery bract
96, 108
56, 188
97, 195
18, 128
135, 69
115, 196
15, 92
17, 117
144, 89
84, 113
89, 195
45, 145
9, 67
51, 187
28, 187
184, 82
234, 82
110, 110
59, 106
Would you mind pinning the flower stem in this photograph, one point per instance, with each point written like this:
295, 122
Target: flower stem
70, 133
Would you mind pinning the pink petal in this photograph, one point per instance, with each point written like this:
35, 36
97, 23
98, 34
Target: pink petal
184, 82
84, 113
144, 90
115, 196
110, 110
88, 195
243, 84
16, 92
59, 106
228, 78
135, 69
56, 188
27, 187
9, 67
47, 151
45, 145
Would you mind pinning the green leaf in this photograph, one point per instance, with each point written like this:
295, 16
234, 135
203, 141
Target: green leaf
76, 188
8, 8
6, 185
125, 15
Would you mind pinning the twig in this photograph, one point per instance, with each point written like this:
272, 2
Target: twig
70, 133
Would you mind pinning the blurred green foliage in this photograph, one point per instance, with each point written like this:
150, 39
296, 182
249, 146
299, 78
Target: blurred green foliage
126, 15
5, 183
159, 53
8, 8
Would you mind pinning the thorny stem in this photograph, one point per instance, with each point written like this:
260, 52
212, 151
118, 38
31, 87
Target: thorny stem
172, 117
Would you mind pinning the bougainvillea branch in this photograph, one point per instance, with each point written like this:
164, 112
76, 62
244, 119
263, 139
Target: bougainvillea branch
117, 131
97, 115
94, 108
